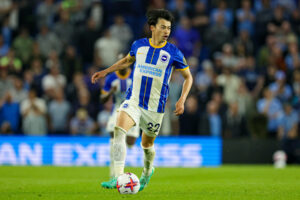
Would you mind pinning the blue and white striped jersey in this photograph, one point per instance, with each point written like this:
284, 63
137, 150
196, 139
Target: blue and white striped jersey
152, 72
122, 83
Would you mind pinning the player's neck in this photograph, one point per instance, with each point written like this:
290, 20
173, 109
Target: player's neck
156, 42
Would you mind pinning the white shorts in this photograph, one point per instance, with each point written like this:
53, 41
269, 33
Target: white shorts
148, 121
133, 132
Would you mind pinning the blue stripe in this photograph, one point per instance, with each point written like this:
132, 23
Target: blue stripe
164, 91
155, 56
145, 92
142, 91
123, 85
149, 55
148, 93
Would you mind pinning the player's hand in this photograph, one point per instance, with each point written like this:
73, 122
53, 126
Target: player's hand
179, 107
98, 75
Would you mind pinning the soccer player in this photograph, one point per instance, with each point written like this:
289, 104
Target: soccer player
154, 60
116, 85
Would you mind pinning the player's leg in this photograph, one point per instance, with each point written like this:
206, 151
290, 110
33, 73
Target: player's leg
111, 163
132, 135
150, 124
123, 124
149, 155
110, 128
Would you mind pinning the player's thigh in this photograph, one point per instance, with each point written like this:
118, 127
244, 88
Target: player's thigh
124, 121
128, 115
150, 122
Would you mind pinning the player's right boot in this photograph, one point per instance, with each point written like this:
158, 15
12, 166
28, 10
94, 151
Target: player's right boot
144, 180
111, 184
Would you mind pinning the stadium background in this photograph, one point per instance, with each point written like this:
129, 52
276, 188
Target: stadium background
243, 55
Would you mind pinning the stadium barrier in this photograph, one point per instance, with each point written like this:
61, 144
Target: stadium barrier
94, 151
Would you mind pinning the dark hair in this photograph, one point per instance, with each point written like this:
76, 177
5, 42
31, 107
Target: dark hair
154, 15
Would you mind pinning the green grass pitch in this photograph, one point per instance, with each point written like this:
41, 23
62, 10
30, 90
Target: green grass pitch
226, 182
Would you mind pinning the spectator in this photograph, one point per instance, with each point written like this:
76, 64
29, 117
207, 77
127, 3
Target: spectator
64, 29
229, 60
288, 127
230, 82
280, 89
107, 49
48, 41
9, 115
272, 109
292, 59
243, 44
33, 111
266, 51
200, 19
234, 123
296, 89
211, 122
222, 10
85, 41
6, 83
217, 34
246, 17
23, 46
59, 123
96, 13
71, 63
52, 81
4, 48
13, 64
84, 101
82, 124
263, 17
46, 11
288, 132
186, 38
252, 78
179, 9
189, 120
19, 93
121, 31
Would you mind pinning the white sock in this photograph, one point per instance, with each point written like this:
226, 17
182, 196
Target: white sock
119, 149
149, 155
111, 153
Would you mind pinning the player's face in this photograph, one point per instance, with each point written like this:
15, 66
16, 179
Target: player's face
162, 30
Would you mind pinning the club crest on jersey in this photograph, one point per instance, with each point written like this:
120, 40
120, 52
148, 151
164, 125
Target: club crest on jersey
125, 105
164, 58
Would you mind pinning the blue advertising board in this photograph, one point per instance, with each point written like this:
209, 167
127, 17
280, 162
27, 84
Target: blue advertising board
94, 151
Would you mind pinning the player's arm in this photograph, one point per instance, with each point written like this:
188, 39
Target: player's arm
121, 64
106, 95
187, 84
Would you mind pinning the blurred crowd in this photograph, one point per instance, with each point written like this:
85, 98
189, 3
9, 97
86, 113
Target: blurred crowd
244, 57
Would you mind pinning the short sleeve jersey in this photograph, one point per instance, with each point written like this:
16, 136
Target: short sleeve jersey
121, 82
153, 68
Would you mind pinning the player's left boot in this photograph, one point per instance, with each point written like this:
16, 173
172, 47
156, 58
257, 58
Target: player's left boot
144, 180
111, 184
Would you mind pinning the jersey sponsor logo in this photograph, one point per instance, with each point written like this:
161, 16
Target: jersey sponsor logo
150, 70
164, 58
125, 105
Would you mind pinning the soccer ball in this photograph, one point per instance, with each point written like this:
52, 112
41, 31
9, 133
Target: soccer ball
128, 183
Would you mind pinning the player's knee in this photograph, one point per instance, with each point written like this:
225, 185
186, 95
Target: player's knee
119, 133
147, 144
130, 141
